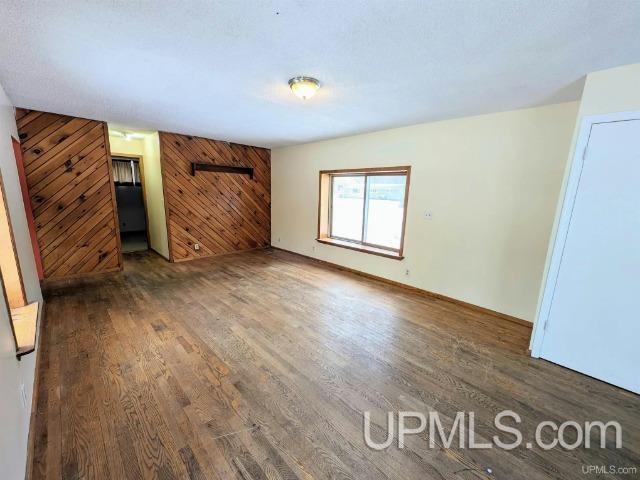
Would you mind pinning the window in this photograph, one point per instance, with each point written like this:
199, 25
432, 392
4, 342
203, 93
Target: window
9, 266
23, 316
126, 171
364, 209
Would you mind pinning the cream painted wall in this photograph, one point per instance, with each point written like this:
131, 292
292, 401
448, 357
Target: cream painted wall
120, 146
612, 90
14, 414
149, 147
155, 194
490, 181
605, 91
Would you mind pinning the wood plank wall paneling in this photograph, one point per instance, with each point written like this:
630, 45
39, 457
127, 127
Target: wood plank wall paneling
222, 212
69, 176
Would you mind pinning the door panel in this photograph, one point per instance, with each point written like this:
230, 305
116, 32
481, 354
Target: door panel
594, 320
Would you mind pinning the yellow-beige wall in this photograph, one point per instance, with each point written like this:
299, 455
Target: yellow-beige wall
491, 183
612, 90
149, 147
605, 91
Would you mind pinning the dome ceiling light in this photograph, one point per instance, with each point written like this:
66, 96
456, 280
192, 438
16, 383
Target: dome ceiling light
304, 87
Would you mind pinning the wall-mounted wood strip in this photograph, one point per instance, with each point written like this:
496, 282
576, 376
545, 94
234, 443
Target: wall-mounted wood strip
225, 225
246, 212
68, 173
223, 212
209, 187
206, 189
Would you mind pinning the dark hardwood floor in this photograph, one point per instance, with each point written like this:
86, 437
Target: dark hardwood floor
260, 364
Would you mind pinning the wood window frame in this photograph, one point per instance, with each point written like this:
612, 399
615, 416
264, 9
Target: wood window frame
23, 316
11, 271
325, 205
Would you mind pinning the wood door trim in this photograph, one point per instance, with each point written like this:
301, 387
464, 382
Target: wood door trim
165, 195
140, 159
114, 204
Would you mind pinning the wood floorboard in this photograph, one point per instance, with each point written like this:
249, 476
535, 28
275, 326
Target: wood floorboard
259, 365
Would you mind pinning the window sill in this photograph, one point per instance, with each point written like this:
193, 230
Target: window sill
361, 248
24, 321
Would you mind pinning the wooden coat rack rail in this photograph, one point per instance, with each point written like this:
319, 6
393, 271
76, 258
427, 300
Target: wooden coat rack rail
209, 167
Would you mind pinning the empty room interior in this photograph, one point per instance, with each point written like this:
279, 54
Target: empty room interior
319, 240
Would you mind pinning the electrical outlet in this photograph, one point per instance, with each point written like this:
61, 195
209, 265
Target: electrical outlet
196, 246
406, 272
428, 216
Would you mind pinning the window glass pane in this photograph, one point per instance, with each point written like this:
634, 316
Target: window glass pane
347, 198
385, 208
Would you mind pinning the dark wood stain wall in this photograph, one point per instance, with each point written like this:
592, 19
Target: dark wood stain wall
223, 212
68, 172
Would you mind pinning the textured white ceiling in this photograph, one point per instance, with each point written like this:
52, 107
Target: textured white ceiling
220, 68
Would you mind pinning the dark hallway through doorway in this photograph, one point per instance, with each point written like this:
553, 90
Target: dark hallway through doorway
131, 208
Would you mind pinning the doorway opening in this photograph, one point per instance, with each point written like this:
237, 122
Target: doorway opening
128, 176
143, 148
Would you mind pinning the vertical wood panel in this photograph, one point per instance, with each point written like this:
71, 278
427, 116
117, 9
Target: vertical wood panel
223, 212
68, 173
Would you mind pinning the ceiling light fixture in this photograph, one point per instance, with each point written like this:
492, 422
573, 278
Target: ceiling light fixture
126, 135
304, 87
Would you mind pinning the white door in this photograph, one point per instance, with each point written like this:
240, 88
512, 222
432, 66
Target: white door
594, 317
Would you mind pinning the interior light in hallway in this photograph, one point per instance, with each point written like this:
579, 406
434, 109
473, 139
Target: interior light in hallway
127, 135
304, 87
